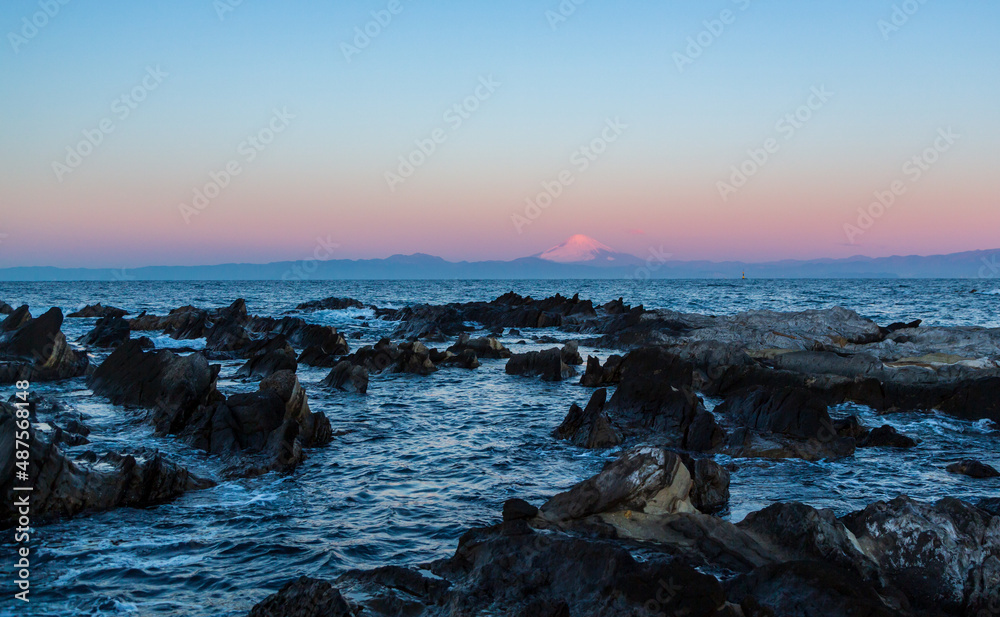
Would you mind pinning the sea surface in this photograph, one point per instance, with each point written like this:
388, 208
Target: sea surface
418, 460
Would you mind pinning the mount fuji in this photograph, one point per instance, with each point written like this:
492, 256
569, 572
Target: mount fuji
581, 249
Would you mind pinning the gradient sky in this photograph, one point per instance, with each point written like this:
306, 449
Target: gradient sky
655, 186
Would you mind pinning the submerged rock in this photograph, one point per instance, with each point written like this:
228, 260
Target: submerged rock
330, 304
973, 469
886, 436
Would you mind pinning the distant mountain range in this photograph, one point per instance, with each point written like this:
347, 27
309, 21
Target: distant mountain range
580, 257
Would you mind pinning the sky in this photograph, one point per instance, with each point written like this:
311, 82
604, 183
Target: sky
197, 131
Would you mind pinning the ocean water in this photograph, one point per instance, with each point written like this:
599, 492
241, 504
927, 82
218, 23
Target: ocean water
418, 460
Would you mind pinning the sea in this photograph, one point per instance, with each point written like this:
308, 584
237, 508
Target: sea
420, 459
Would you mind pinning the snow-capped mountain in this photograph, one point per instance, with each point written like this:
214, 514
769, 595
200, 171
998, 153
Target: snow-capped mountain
586, 250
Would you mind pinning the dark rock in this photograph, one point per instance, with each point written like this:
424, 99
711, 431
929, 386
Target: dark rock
186, 322
886, 436
710, 484
850, 427
943, 556
36, 349
517, 509
597, 376
482, 347
228, 333
273, 356
330, 304
990, 504
348, 377
5, 309
320, 343
96, 310
789, 422
973, 469
64, 488
304, 597
571, 354
172, 386
548, 364
466, 359
590, 427
109, 331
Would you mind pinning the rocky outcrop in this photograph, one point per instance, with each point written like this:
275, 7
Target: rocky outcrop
63, 488
109, 331
348, 378
319, 343
5, 309
785, 423
186, 322
485, 347
550, 364
597, 376
265, 430
330, 304
304, 597
269, 355
36, 349
97, 310
589, 427
172, 386
973, 469
886, 436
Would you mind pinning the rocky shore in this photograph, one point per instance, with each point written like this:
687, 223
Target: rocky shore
681, 395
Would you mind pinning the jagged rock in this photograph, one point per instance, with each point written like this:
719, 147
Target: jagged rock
886, 436
487, 347
710, 484
304, 597
64, 488
973, 469
172, 386
109, 331
789, 422
319, 343
466, 359
5, 309
571, 353
271, 356
96, 310
228, 333
590, 427
36, 349
348, 377
423, 321
183, 323
267, 429
597, 376
329, 304
643, 479
548, 363
943, 556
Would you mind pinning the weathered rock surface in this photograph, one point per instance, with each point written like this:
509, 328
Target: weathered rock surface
304, 597
5, 309
589, 427
270, 355
64, 488
486, 347
36, 349
597, 376
886, 436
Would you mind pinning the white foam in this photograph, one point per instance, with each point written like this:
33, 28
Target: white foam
165, 342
